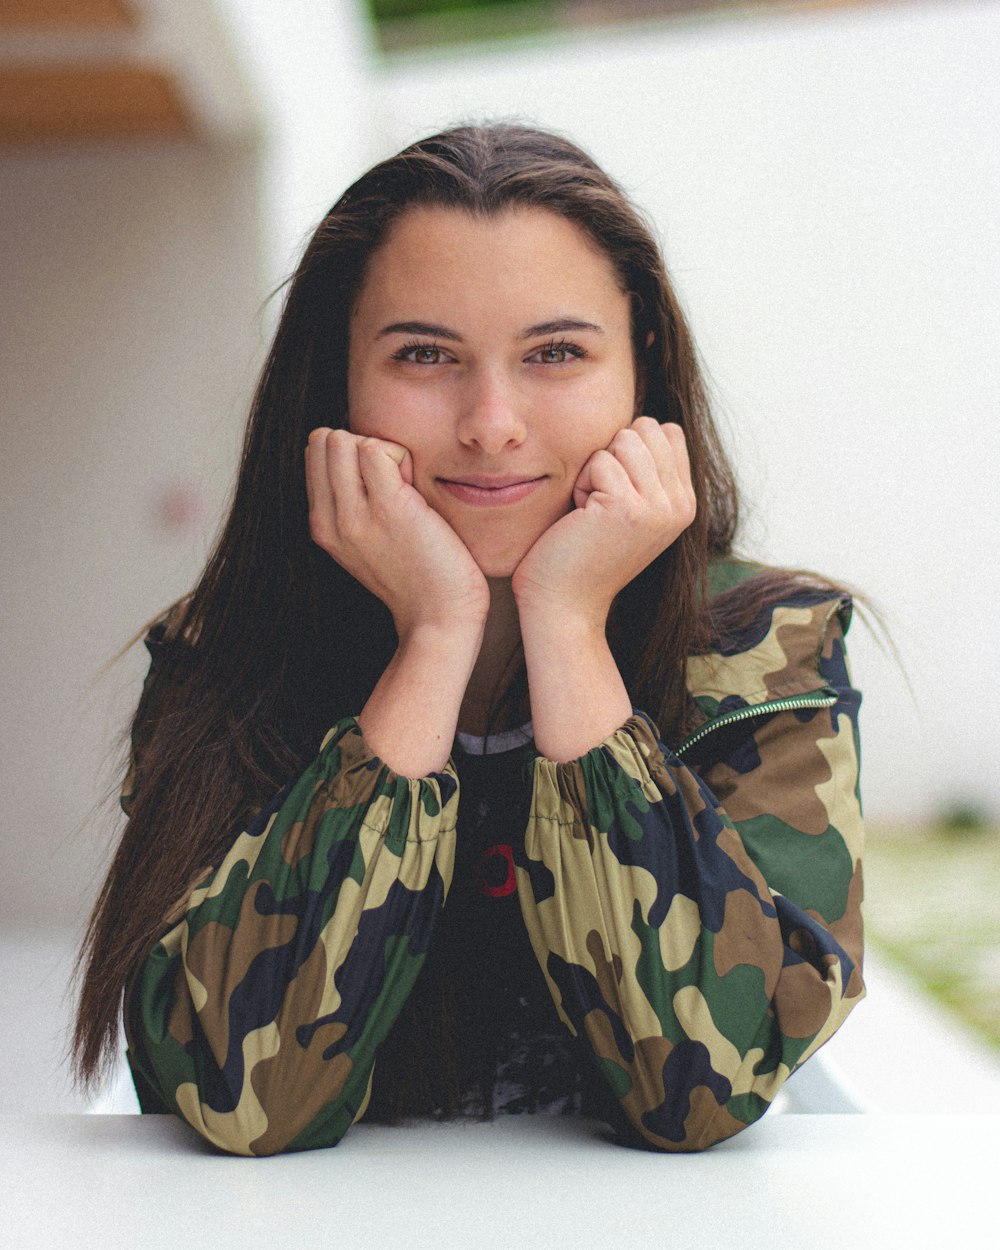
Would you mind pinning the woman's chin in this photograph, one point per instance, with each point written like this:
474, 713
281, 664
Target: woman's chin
497, 564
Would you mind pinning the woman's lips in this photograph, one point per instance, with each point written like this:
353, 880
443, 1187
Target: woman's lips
484, 492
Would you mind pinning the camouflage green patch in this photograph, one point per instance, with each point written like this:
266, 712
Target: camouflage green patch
812, 870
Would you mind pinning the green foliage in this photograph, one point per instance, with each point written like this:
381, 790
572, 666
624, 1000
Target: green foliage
388, 10
963, 818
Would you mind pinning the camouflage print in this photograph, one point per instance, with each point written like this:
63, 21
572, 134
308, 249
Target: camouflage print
696, 912
257, 1016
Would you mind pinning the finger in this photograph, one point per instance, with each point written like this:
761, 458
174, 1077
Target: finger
602, 474
317, 482
383, 466
668, 447
683, 495
343, 473
634, 454
405, 463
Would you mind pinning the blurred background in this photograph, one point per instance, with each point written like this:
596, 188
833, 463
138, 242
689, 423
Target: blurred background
825, 179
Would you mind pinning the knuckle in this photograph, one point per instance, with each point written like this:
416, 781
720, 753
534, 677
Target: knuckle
340, 438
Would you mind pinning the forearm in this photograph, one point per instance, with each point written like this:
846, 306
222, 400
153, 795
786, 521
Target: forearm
578, 697
410, 718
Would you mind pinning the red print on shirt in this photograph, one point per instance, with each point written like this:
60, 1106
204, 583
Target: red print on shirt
495, 871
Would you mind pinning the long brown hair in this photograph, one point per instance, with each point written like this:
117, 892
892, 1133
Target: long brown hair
277, 642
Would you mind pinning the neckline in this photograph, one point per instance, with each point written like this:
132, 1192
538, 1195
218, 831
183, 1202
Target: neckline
495, 743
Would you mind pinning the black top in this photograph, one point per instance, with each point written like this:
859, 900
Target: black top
480, 1034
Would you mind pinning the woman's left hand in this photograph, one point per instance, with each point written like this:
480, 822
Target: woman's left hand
632, 500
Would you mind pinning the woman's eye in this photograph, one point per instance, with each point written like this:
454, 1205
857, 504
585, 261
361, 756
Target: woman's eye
420, 354
557, 354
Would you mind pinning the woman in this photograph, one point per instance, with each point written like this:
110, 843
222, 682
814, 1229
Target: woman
583, 831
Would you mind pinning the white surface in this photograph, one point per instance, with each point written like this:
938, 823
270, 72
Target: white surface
817, 1182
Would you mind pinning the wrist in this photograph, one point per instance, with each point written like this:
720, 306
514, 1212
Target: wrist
578, 698
562, 623
433, 642
409, 720
437, 620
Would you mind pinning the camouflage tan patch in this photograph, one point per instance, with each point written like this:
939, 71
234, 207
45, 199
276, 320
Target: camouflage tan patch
233, 1130
680, 931
556, 788
637, 754
695, 1018
378, 815
839, 793
717, 676
799, 645
536, 936
245, 850
766, 1084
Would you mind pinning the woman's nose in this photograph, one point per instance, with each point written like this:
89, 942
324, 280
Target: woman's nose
491, 416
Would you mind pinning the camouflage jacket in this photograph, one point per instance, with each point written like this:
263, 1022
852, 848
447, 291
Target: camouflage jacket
696, 912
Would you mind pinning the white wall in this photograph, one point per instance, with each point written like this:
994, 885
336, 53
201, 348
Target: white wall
132, 294
827, 186
310, 61
134, 320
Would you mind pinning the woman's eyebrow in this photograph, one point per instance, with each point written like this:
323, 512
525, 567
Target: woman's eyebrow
420, 327
559, 326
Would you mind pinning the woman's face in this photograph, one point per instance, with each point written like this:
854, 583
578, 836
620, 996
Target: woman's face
497, 350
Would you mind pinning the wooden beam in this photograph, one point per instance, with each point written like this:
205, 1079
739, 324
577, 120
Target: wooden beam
56, 104
65, 15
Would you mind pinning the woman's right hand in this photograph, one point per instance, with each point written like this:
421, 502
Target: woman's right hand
365, 512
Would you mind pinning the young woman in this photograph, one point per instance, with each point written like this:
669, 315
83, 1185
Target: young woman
476, 775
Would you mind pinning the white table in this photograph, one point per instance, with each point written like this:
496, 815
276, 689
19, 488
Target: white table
803, 1182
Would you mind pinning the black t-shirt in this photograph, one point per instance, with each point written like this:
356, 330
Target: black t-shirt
480, 1034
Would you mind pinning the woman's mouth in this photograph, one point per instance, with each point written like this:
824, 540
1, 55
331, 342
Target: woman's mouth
490, 492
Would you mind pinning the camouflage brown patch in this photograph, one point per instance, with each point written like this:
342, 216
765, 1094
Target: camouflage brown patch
219, 958
739, 940
802, 1001
787, 749
181, 1025
707, 1122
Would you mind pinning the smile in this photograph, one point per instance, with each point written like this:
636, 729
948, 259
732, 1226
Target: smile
485, 492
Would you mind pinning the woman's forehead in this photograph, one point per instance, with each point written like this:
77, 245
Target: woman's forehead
519, 259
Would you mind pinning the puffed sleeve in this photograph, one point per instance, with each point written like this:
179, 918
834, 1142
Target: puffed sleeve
256, 1017
697, 914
